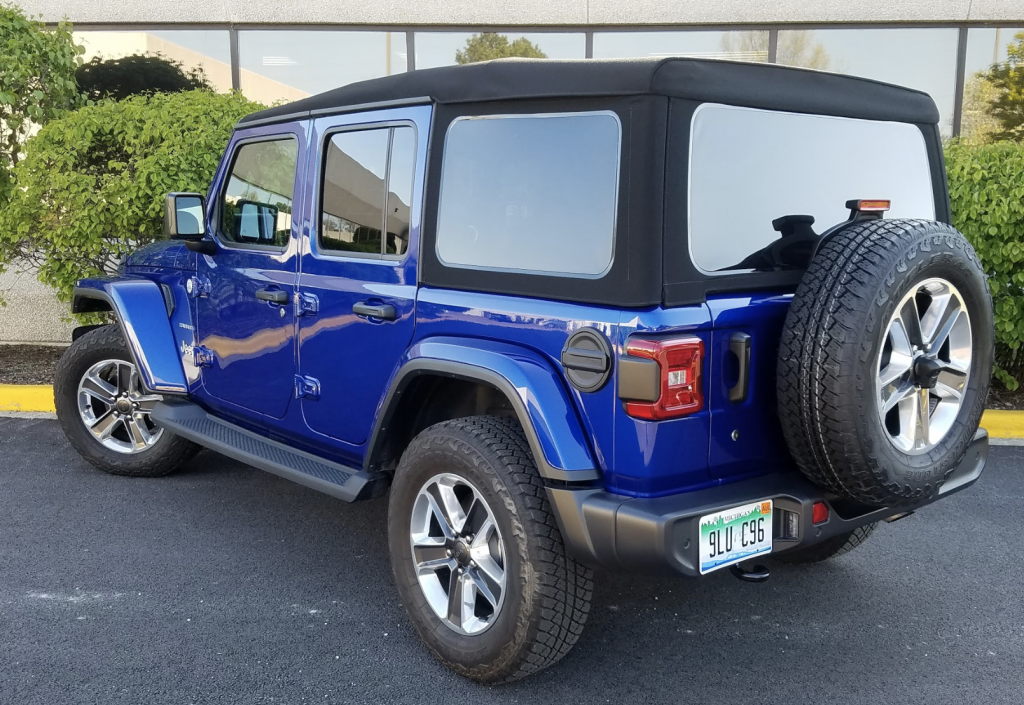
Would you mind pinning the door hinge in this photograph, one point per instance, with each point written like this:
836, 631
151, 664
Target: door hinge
307, 388
202, 356
197, 286
306, 304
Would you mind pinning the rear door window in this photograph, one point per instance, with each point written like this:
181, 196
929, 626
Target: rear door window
367, 192
530, 193
749, 167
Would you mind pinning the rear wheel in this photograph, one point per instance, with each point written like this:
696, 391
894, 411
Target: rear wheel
477, 555
107, 415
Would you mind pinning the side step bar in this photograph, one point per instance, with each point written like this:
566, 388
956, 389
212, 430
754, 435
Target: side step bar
192, 422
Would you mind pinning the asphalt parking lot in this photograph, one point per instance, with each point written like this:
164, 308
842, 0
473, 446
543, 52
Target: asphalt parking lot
223, 584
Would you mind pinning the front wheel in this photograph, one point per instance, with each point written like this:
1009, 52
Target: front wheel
106, 414
477, 555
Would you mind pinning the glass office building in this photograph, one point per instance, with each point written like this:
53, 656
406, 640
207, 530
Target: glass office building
282, 63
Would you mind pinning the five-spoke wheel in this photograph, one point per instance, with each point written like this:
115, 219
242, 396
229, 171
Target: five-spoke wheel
106, 413
923, 366
115, 409
458, 552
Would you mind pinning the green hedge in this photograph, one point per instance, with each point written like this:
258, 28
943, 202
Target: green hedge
986, 188
92, 183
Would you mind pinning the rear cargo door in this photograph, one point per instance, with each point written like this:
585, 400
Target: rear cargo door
746, 437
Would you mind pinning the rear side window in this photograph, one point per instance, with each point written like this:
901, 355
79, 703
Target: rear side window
530, 193
367, 192
749, 167
256, 208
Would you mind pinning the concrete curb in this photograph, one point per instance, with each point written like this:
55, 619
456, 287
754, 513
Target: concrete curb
26, 397
39, 398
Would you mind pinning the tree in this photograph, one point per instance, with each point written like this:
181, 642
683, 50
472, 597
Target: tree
92, 184
795, 48
137, 74
1007, 103
37, 83
977, 124
489, 45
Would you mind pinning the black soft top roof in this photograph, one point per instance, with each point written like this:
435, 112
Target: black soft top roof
755, 85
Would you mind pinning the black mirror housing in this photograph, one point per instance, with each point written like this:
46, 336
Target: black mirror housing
185, 216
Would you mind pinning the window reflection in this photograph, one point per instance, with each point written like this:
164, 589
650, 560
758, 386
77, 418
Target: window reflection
530, 193
353, 192
354, 200
400, 181
286, 65
924, 59
737, 46
986, 46
209, 50
257, 204
440, 48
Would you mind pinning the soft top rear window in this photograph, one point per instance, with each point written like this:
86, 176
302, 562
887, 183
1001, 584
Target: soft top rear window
530, 193
749, 167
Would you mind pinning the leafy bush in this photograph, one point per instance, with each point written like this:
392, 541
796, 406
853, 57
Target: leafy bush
135, 75
37, 82
92, 184
986, 188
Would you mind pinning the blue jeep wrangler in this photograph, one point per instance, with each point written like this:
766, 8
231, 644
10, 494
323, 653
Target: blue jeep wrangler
642, 315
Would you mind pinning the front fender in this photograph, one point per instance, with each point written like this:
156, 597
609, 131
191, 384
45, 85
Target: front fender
141, 311
544, 409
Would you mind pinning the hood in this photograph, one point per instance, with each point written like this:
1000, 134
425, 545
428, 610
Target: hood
164, 254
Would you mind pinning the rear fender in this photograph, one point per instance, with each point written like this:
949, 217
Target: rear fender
141, 311
533, 388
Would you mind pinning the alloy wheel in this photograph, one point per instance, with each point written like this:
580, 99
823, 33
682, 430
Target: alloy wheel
114, 408
924, 366
458, 553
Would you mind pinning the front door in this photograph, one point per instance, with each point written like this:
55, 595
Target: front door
245, 308
358, 278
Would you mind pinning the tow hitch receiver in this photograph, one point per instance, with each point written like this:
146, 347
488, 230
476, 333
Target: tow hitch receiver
755, 574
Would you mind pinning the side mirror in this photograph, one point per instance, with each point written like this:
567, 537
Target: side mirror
256, 222
185, 216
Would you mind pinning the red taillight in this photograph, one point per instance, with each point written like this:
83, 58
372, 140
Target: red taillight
680, 362
819, 513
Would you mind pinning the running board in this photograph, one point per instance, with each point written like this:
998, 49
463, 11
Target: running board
190, 421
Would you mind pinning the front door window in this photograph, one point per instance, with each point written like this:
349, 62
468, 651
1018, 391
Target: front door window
257, 204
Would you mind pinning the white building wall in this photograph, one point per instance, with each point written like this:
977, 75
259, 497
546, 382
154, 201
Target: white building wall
525, 12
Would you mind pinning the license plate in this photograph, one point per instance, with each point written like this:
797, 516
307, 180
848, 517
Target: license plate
735, 535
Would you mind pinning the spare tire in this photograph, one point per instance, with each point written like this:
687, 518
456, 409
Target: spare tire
885, 360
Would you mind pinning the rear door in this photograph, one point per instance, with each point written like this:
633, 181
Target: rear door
357, 285
244, 291
748, 170
745, 436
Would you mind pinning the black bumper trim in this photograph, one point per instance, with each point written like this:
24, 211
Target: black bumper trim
626, 533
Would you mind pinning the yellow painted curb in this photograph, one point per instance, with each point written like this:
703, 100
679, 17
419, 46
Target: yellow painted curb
1003, 424
26, 397
39, 397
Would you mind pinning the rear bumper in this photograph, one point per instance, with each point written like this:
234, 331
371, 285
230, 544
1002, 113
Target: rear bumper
626, 533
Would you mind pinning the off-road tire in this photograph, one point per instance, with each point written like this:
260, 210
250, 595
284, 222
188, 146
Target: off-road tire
829, 548
830, 346
165, 456
547, 595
